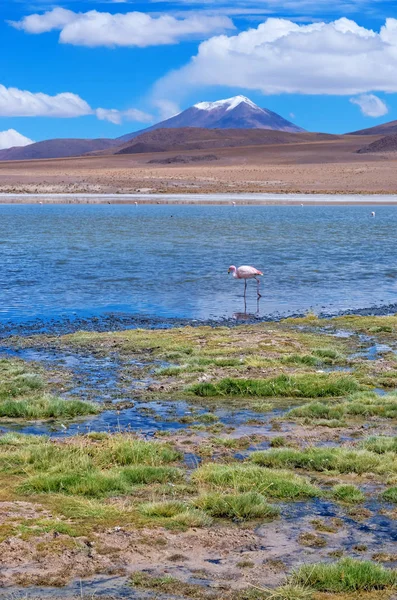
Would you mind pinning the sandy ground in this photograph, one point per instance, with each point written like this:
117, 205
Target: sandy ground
329, 167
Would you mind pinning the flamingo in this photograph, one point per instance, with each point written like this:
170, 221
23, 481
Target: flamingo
245, 272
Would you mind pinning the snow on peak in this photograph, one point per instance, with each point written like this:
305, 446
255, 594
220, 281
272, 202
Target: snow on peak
229, 103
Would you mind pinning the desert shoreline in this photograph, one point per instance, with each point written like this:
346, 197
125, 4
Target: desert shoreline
238, 199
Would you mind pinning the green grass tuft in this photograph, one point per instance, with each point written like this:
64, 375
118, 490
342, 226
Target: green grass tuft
390, 495
282, 485
250, 505
348, 493
310, 385
46, 406
346, 575
380, 444
340, 460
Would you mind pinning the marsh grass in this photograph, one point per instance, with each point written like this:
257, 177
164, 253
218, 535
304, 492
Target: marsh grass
290, 591
46, 406
361, 404
346, 575
309, 385
381, 444
390, 495
282, 485
348, 493
24, 395
175, 513
171, 586
87, 467
245, 506
340, 460
16, 379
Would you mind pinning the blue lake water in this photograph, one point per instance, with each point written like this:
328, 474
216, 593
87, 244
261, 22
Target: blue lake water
171, 260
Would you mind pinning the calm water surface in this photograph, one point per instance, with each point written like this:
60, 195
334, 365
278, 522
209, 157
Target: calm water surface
171, 261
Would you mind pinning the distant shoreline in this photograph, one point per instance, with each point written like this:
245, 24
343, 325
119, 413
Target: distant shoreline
239, 199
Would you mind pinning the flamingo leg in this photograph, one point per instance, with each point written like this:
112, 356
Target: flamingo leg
245, 288
259, 294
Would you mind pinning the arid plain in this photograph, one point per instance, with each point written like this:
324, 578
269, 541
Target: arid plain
326, 166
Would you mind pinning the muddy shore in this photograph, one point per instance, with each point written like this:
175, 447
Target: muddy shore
305, 401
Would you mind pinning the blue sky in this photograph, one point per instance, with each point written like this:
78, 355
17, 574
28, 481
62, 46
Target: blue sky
102, 69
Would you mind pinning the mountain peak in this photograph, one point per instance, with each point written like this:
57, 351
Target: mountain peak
228, 104
238, 112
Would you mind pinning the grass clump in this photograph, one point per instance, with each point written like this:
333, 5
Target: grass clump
390, 495
241, 507
170, 586
46, 406
24, 395
96, 484
312, 540
18, 380
347, 493
175, 513
360, 404
346, 575
308, 385
247, 478
340, 460
85, 466
380, 444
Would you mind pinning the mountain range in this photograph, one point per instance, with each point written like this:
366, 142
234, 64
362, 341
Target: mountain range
232, 122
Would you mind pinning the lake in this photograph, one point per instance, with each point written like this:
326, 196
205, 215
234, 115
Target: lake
166, 261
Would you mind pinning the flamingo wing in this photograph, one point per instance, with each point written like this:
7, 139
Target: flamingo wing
246, 272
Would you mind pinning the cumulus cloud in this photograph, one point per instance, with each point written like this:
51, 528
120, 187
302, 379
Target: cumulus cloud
370, 105
22, 103
95, 28
280, 56
50, 20
11, 138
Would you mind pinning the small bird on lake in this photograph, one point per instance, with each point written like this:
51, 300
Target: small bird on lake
245, 272
373, 214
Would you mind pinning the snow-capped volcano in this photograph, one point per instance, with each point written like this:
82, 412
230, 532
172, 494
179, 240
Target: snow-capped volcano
238, 112
229, 103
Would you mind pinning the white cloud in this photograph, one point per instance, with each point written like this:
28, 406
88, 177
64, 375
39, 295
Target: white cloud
281, 56
370, 105
95, 28
22, 103
11, 138
50, 20
118, 116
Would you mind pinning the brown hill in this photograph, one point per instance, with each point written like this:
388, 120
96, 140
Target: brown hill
385, 144
195, 138
57, 148
384, 129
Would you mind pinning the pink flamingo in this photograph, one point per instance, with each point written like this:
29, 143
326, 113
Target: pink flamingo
245, 273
